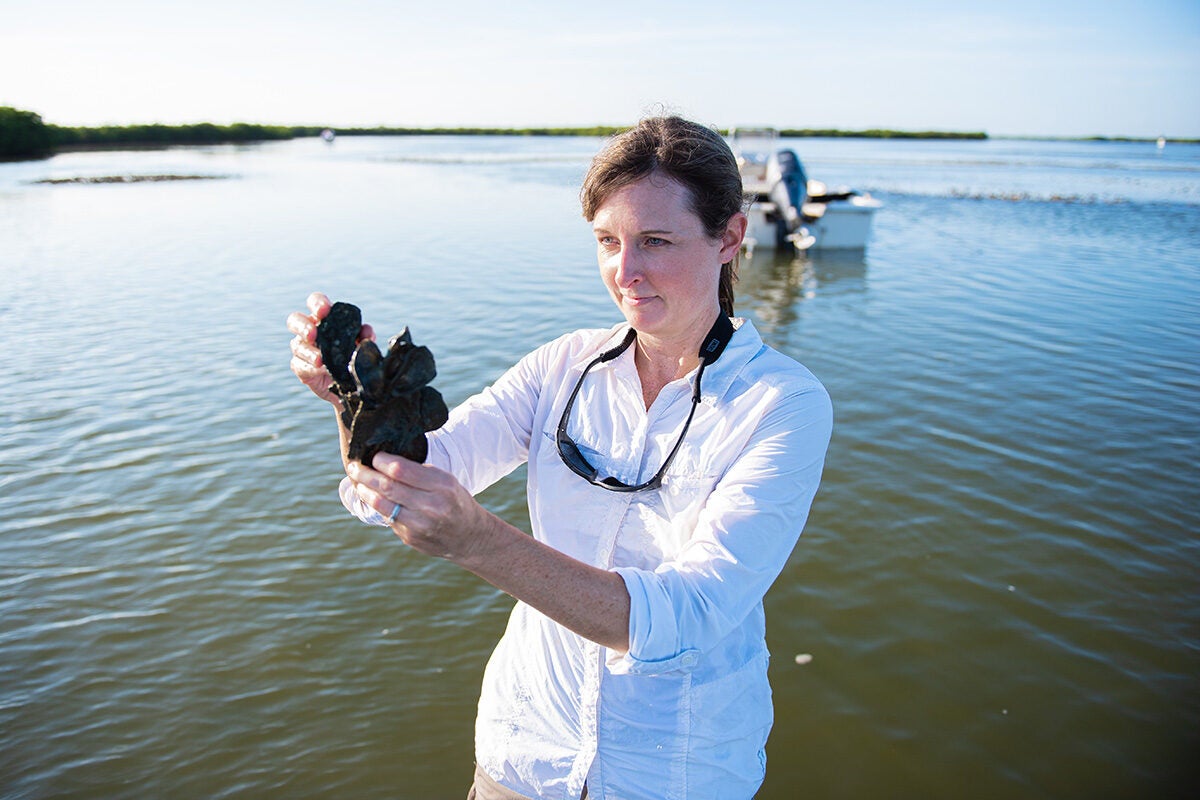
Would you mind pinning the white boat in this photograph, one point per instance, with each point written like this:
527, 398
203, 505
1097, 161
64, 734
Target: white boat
786, 209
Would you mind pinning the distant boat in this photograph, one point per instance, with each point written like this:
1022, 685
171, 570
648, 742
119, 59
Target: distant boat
328, 135
787, 209
1162, 142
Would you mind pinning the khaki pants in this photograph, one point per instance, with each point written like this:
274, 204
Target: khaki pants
485, 788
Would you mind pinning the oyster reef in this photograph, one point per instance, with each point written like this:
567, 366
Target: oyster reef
387, 402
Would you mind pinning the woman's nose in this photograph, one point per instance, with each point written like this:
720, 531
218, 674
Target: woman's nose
629, 266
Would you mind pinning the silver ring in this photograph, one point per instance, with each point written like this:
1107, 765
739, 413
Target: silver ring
395, 513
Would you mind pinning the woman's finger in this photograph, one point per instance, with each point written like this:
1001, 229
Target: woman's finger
383, 494
319, 305
306, 351
372, 479
381, 501
304, 369
410, 473
302, 325
315, 378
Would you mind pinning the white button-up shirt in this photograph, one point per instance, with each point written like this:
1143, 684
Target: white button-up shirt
686, 712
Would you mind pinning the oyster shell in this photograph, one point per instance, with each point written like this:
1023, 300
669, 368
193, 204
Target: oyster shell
387, 402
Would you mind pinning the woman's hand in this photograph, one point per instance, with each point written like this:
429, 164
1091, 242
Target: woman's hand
306, 356
436, 515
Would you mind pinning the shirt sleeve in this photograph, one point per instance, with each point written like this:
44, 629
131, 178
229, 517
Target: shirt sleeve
744, 536
356, 506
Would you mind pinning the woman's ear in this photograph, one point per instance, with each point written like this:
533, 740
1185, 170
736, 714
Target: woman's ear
731, 239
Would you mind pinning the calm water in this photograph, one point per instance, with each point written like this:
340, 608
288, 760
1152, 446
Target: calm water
999, 585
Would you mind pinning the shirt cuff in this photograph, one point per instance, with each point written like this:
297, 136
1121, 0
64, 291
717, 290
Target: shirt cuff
356, 506
653, 631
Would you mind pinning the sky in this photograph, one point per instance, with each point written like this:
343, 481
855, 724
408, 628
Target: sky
1016, 68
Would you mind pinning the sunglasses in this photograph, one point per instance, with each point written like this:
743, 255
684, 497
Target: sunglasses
714, 345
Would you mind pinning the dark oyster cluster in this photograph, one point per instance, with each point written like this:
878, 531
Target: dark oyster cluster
387, 404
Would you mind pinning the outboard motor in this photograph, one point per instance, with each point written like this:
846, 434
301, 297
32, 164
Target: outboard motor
788, 193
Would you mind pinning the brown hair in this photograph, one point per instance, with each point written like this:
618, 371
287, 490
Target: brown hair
691, 154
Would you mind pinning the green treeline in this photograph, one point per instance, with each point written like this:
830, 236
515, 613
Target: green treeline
877, 133
595, 130
608, 130
199, 133
23, 134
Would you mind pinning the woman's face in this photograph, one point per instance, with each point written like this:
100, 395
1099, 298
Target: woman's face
659, 264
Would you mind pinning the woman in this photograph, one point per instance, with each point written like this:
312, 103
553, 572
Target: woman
672, 462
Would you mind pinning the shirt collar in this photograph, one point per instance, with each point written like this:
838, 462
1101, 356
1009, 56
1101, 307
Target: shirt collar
718, 376
603, 340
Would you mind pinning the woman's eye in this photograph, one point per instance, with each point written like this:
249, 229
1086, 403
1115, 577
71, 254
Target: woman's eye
607, 241
655, 241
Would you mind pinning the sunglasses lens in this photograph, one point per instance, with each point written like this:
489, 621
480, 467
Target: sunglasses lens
574, 459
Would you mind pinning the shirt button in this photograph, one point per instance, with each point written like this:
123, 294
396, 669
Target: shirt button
689, 660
